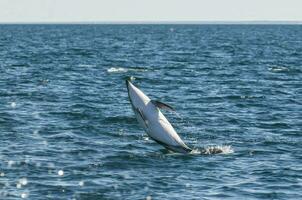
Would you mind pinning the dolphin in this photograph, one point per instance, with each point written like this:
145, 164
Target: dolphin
152, 120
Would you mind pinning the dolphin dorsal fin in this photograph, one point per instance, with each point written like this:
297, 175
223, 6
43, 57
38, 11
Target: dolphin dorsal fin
162, 105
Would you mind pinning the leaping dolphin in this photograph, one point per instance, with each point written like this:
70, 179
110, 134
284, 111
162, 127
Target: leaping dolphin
153, 121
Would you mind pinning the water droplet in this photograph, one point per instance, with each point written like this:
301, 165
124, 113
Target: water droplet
18, 185
2, 174
13, 104
148, 198
24, 195
61, 172
81, 183
23, 181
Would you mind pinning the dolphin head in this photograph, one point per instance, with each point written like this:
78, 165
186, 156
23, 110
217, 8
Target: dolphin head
137, 98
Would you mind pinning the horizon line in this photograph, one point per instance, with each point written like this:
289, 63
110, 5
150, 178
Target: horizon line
167, 22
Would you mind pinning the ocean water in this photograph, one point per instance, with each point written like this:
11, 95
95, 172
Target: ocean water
68, 131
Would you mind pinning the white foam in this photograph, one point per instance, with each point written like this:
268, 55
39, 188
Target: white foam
278, 69
224, 149
116, 69
195, 151
122, 70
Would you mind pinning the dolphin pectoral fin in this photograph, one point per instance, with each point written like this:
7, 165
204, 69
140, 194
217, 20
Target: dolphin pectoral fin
162, 105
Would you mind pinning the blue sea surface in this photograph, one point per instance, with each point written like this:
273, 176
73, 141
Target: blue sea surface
68, 131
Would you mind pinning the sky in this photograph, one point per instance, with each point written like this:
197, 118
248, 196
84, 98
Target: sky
93, 11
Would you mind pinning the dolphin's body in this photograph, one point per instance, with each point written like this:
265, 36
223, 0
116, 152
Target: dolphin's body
153, 121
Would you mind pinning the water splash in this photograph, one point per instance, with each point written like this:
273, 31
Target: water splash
227, 149
209, 149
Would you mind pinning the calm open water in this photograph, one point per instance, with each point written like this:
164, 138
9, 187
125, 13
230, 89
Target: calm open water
68, 131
